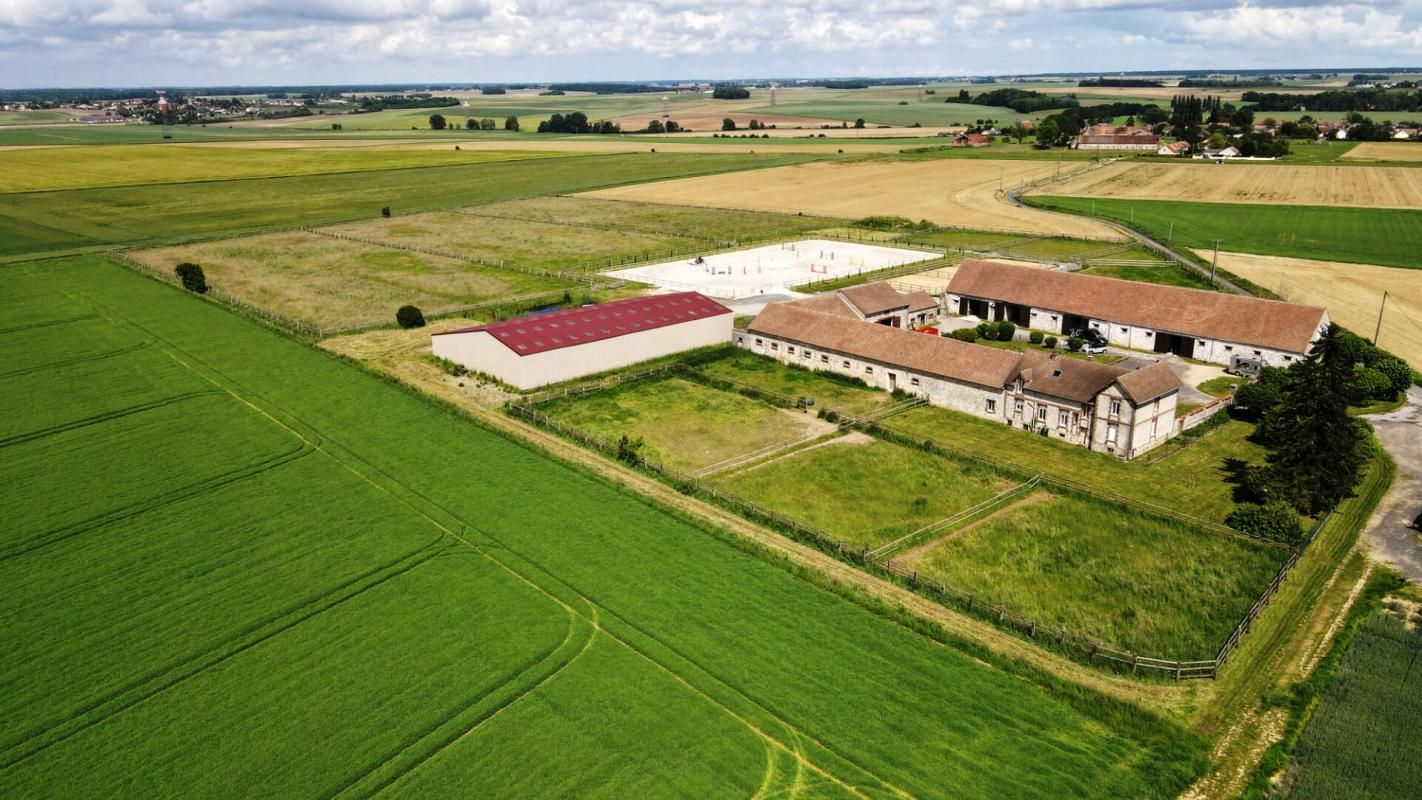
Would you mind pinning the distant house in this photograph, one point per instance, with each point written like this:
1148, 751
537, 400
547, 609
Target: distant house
1178, 148
1104, 136
876, 302
1404, 133
539, 349
971, 140
1223, 152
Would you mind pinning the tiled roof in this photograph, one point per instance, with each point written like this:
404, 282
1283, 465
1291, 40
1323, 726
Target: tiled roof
538, 333
1067, 378
1193, 312
1147, 383
874, 298
894, 347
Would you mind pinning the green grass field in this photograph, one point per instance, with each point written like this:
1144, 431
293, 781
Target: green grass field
51, 168
827, 391
1166, 274
681, 222
864, 492
1390, 237
885, 109
1132, 580
1197, 480
684, 424
63, 220
360, 590
1358, 743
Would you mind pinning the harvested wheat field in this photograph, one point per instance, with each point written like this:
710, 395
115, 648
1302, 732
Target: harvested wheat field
1385, 151
1375, 187
1350, 292
959, 192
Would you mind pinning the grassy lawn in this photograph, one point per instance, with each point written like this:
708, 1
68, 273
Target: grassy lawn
684, 424
1195, 480
1166, 274
62, 220
793, 382
1223, 386
865, 492
1129, 579
688, 222
422, 591
333, 283
1371, 707
1386, 236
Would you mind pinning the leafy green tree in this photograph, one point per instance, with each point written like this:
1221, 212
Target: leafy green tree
470, 124
728, 124
192, 277
1047, 133
1254, 400
1318, 452
1371, 384
437, 122
511, 124
1398, 373
410, 317
655, 126
487, 124
859, 123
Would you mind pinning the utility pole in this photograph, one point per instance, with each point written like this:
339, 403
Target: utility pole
1171, 236
1215, 261
1378, 331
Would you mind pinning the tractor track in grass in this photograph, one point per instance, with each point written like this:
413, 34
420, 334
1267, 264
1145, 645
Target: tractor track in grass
158, 682
426, 508
21, 438
77, 359
46, 324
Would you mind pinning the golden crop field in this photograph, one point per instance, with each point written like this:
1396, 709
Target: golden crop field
1385, 151
957, 192
1376, 187
1351, 293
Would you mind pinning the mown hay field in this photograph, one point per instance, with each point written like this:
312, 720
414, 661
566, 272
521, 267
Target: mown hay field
958, 192
1102, 571
334, 283
1385, 151
62, 220
1352, 293
49, 168
1387, 236
334, 578
1369, 187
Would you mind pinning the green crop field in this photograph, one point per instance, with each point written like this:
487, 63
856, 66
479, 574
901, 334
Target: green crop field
335, 283
1198, 480
72, 219
1167, 273
322, 573
50, 168
1132, 580
688, 222
684, 424
1360, 741
864, 492
885, 110
1386, 236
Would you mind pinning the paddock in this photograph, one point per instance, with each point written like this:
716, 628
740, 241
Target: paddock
771, 268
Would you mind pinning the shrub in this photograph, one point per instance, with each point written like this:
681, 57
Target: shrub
1276, 521
629, 450
1371, 384
1075, 344
987, 330
1050, 342
410, 317
385, 212
1398, 373
1005, 331
963, 334
1035, 337
192, 277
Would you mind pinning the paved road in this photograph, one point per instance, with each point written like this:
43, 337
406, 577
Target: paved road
1392, 542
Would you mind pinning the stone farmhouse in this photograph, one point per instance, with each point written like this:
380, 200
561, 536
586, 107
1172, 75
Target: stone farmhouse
1193, 323
1102, 407
879, 303
1105, 136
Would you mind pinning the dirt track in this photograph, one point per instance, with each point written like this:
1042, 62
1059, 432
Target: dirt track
1374, 187
1350, 292
957, 192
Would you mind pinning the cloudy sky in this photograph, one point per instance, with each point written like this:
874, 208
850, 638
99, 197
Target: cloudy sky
187, 42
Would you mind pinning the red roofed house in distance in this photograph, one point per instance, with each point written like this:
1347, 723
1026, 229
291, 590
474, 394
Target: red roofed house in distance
539, 349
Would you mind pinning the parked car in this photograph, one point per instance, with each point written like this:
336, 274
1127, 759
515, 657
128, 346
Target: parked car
1095, 341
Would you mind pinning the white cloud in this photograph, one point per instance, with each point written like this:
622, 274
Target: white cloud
1335, 25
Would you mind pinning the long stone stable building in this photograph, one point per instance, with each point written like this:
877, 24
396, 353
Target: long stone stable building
1193, 323
1099, 406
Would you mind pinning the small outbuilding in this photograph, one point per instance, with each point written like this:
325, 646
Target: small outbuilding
539, 349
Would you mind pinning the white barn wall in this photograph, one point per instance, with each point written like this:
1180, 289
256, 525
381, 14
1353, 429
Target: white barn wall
480, 351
